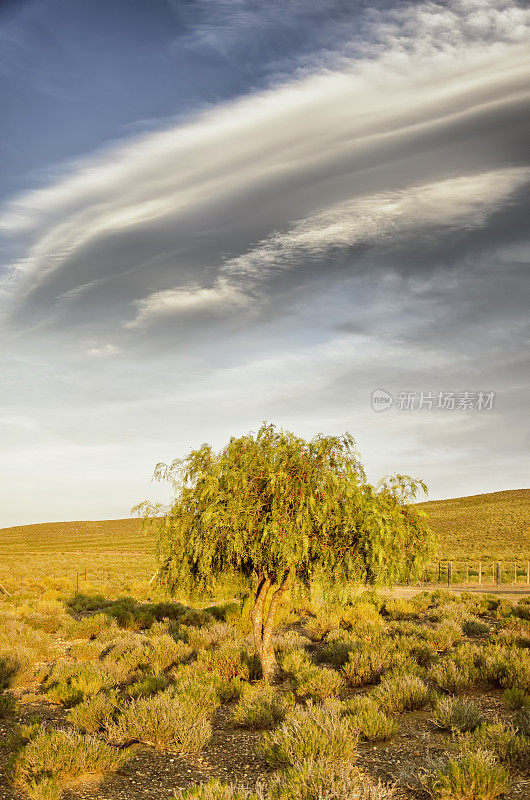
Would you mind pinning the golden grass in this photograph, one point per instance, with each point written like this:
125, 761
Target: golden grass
119, 559
483, 526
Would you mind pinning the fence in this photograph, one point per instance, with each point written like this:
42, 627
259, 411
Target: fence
478, 573
444, 572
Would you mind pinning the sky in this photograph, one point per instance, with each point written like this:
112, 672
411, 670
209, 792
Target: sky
215, 213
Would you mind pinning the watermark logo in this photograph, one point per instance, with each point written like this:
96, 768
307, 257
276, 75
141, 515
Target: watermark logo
433, 401
381, 400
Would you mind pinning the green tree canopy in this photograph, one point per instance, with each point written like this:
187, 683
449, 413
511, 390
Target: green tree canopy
272, 506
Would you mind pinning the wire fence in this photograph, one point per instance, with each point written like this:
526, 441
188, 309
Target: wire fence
443, 572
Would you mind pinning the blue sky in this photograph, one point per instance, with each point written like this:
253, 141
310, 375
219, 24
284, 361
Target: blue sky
219, 212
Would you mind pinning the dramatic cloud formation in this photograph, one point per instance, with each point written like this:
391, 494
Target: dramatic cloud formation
354, 218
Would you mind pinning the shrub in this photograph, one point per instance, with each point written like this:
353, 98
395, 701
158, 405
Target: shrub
172, 720
56, 758
215, 790
444, 636
289, 640
321, 624
474, 627
8, 670
262, 707
516, 698
7, 705
522, 722
502, 739
451, 676
69, 683
229, 661
399, 608
312, 779
372, 724
94, 714
147, 686
308, 680
316, 731
507, 667
457, 715
366, 664
474, 776
397, 693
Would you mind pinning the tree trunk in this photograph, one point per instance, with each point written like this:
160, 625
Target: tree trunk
262, 629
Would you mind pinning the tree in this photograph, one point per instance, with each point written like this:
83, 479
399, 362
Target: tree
272, 507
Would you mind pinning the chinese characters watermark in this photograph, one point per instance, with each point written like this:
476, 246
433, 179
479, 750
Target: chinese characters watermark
432, 401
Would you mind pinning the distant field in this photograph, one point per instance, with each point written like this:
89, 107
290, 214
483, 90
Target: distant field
487, 527
483, 526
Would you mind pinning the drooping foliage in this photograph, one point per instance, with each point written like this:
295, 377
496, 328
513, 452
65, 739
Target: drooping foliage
272, 503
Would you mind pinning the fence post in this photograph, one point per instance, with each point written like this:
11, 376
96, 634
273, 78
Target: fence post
449, 573
467, 572
528, 571
439, 572
515, 572
480, 573
498, 574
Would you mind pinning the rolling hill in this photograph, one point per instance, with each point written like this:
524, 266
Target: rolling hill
484, 526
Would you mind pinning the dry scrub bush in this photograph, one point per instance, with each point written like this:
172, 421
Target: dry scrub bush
443, 636
457, 715
453, 676
177, 719
314, 731
316, 780
70, 683
262, 707
307, 680
401, 692
94, 714
372, 723
53, 759
229, 661
24, 648
399, 608
516, 698
289, 640
367, 662
502, 739
507, 667
473, 776
215, 790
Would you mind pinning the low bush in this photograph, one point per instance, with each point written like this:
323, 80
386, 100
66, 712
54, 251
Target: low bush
316, 780
53, 759
95, 714
229, 661
443, 636
368, 662
473, 776
474, 627
70, 683
314, 731
399, 608
453, 676
262, 707
401, 692
173, 720
324, 622
516, 698
508, 667
457, 715
215, 790
7, 705
502, 739
307, 680
372, 724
